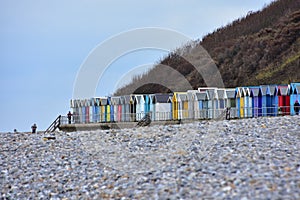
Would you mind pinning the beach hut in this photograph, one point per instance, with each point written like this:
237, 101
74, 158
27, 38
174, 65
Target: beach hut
182, 105
87, 110
128, 112
170, 101
247, 102
294, 96
139, 102
212, 102
83, 113
161, 107
231, 102
152, 106
255, 93
222, 101
121, 109
273, 101
108, 110
91, 113
201, 105
240, 102
191, 97
266, 99
147, 103
98, 109
115, 102
103, 109
175, 106
284, 99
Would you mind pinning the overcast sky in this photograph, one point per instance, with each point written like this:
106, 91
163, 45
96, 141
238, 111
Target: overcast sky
44, 43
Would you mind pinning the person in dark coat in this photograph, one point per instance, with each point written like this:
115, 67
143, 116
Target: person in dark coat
33, 128
69, 117
296, 107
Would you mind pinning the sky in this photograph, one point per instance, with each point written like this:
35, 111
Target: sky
45, 43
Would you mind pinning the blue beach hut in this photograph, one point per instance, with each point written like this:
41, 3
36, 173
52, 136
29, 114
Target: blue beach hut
201, 105
266, 99
294, 96
273, 101
139, 102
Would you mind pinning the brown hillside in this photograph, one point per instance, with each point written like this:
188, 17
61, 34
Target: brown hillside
261, 48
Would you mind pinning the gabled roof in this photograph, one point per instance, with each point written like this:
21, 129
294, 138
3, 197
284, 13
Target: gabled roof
182, 97
126, 99
255, 92
115, 100
103, 101
204, 89
201, 96
283, 90
221, 94
191, 94
273, 90
230, 93
139, 98
265, 90
211, 93
161, 98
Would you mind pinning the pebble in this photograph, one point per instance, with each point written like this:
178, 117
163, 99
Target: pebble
255, 158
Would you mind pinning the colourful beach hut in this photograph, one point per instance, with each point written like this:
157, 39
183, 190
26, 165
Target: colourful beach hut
212, 102
284, 99
273, 111
266, 99
294, 96
240, 94
201, 105
152, 106
161, 107
115, 102
126, 108
222, 99
182, 105
247, 102
139, 102
175, 106
191, 97
103, 109
231, 102
255, 93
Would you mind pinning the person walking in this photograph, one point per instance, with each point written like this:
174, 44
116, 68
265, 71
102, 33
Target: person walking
69, 117
297, 107
33, 128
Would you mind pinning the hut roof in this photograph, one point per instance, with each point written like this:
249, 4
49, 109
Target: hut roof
201, 96
211, 93
221, 94
126, 99
265, 90
161, 98
115, 100
230, 93
255, 92
103, 101
283, 90
182, 97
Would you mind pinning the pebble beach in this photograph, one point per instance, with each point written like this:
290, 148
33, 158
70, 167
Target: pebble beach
257, 158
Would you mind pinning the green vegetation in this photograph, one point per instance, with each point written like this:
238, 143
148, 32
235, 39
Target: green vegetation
261, 48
